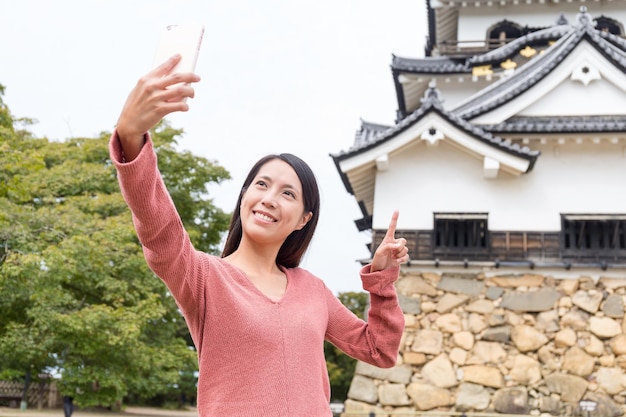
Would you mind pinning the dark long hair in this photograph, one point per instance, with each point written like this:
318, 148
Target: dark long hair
296, 244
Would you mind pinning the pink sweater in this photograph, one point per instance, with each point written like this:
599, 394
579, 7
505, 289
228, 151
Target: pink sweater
257, 357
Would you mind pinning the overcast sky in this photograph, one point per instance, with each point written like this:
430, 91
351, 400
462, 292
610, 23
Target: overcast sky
277, 76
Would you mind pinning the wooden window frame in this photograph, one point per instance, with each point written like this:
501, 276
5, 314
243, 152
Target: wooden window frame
595, 235
459, 234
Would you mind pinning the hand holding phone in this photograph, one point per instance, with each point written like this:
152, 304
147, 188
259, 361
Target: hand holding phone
140, 114
184, 39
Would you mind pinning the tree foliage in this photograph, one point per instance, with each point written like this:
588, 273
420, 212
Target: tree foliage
76, 296
341, 366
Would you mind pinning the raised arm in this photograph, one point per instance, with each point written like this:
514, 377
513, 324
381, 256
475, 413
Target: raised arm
377, 340
166, 244
157, 94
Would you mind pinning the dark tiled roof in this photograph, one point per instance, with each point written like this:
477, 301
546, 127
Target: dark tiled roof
371, 135
438, 65
446, 65
564, 124
367, 133
611, 46
513, 47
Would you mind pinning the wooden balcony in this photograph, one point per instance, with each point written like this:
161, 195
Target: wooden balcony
530, 247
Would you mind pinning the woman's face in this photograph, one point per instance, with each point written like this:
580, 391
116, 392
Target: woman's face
273, 206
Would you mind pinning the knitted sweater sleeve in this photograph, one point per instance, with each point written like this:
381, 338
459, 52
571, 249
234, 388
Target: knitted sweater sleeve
376, 341
166, 245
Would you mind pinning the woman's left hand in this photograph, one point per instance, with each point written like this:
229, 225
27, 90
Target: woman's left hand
391, 252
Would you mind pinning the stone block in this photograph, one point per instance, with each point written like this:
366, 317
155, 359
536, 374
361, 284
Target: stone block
363, 389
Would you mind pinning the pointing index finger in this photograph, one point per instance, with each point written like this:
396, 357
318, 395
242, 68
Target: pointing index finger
391, 231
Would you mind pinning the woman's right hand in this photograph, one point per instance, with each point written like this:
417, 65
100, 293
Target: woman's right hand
157, 94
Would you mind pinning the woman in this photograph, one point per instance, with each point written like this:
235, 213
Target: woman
258, 321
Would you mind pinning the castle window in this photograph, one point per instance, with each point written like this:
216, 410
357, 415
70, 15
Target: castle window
503, 32
606, 24
461, 233
593, 233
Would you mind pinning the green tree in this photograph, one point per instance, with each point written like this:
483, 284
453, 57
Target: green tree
341, 366
76, 295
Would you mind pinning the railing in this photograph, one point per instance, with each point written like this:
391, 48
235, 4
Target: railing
40, 394
502, 246
464, 48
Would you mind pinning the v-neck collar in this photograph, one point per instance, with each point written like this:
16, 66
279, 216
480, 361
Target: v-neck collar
246, 279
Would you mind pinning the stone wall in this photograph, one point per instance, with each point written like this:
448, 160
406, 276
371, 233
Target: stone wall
523, 344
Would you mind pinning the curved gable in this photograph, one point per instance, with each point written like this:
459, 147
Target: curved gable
431, 123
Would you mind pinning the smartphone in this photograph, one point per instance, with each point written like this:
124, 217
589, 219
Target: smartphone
184, 39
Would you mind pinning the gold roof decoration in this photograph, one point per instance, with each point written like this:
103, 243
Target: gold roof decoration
528, 52
482, 70
508, 64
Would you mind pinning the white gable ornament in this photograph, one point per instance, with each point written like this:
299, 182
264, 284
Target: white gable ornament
586, 73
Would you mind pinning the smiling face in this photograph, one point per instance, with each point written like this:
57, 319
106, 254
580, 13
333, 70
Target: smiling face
273, 204
297, 243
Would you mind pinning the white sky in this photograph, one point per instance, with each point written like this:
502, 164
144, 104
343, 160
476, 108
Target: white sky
277, 76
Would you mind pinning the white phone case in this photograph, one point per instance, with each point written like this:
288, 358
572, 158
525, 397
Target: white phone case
184, 39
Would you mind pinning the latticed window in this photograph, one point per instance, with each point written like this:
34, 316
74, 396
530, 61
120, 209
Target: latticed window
461, 231
594, 232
